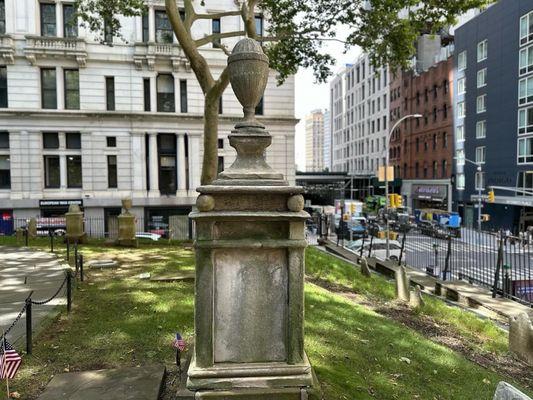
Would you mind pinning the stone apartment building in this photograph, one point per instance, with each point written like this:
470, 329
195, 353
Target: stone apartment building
89, 122
421, 149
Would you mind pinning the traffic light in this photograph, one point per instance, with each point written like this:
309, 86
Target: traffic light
491, 196
392, 200
399, 200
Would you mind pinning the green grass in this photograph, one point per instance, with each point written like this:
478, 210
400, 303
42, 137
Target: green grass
119, 320
481, 333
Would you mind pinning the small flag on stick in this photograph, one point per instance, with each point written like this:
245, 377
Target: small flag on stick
9, 361
178, 342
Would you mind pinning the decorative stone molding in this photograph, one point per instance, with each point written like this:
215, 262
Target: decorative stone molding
149, 53
7, 49
49, 47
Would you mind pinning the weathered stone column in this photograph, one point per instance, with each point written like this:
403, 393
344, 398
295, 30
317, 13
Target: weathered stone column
74, 222
250, 244
126, 226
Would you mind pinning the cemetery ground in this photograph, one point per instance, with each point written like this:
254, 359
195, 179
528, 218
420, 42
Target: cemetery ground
361, 342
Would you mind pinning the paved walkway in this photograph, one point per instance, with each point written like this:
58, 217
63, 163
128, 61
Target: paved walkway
21, 271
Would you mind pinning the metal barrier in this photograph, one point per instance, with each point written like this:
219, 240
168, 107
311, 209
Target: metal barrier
503, 264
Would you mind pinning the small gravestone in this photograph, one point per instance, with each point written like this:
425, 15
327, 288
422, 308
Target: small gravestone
402, 284
521, 337
102, 264
74, 222
365, 270
416, 299
32, 227
126, 226
19, 232
504, 391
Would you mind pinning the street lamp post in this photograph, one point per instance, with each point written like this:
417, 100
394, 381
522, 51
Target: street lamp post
387, 148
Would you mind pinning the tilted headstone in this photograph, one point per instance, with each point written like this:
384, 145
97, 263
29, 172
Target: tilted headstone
416, 299
32, 227
402, 284
250, 244
521, 337
74, 222
504, 391
365, 270
126, 225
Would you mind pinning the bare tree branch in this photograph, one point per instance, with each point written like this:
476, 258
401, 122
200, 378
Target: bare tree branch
215, 36
218, 15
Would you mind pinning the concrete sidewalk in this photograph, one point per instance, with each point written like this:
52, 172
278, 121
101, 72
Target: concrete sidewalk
23, 270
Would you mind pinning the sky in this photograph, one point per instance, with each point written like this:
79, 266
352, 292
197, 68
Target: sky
310, 96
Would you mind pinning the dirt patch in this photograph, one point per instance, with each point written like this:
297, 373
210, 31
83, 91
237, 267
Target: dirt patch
439, 333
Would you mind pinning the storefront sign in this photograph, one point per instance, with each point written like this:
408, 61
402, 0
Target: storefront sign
60, 203
429, 192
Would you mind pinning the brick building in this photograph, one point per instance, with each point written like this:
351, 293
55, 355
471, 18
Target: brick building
421, 150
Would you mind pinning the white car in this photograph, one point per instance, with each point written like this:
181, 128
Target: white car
148, 235
379, 249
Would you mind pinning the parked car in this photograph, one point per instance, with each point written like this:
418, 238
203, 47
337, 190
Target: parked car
379, 249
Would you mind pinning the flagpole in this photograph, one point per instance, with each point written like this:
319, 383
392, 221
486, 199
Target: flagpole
3, 355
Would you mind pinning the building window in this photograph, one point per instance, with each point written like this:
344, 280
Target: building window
417, 167
4, 140
48, 88
259, 110
525, 90
481, 129
480, 180
165, 93
220, 166
482, 48
5, 172
215, 25
461, 85
460, 157
111, 141
482, 77
434, 141
526, 60
184, 107
525, 120
446, 86
48, 19
147, 95
112, 172
110, 93
461, 61
74, 172
481, 103
145, 27
220, 143
526, 28
167, 163
259, 26
460, 133
425, 171
444, 111
461, 109
480, 155
52, 178
525, 153
2, 17
70, 21
525, 182
73, 140
108, 33
444, 169
50, 140
163, 29
3, 87
444, 140
460, 182
435, 170
72, 89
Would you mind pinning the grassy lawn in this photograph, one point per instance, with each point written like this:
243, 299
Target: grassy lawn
120, 320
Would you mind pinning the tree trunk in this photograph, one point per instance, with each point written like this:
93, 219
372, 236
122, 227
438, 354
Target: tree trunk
210, 160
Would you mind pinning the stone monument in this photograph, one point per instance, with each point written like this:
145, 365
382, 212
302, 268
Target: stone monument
74, 222
126, 226
250, 244
32, 227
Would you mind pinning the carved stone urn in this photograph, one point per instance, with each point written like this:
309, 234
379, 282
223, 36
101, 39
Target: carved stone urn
250, 244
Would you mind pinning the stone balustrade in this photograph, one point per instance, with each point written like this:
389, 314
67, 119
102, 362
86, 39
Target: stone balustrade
149, 53
46, 47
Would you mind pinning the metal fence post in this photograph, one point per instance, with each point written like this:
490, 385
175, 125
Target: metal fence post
29, 346
51, 234
81, 267
76, 253
370, 247
69, 290
26, 234
498, 266
68, 250
448, 255
402, 249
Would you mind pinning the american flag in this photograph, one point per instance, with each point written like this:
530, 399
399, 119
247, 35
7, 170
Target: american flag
9, 361
178, 342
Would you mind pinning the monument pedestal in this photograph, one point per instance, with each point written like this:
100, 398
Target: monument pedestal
74, 223
250, 248
126, 226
